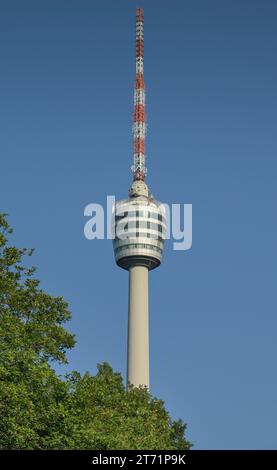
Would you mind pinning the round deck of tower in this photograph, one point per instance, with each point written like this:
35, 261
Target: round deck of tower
140, 228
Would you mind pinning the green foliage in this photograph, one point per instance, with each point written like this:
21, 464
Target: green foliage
40, 410
106, 416
32, 397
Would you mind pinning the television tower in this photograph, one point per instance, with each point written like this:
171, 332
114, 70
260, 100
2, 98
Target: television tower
139, 228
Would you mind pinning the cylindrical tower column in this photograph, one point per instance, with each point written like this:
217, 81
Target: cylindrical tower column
138, 329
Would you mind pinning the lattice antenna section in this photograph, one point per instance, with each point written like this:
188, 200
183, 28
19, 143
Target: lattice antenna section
139, 117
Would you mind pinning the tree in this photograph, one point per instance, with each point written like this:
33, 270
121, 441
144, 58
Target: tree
39, 409
107, 416
32, 397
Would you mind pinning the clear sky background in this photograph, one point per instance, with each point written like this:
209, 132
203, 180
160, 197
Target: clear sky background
66, 93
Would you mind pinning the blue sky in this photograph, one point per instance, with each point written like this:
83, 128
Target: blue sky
67, 73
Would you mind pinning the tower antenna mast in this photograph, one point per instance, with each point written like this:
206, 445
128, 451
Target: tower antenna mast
139, 117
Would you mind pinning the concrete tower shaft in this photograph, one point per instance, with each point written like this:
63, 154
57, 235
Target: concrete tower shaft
138, 334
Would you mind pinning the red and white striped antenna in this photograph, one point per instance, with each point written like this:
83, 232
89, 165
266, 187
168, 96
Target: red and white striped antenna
139, 119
